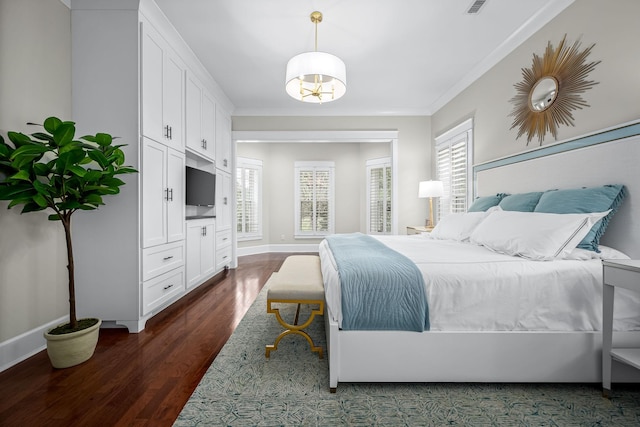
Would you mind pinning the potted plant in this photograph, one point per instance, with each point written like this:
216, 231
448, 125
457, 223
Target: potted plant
52, 170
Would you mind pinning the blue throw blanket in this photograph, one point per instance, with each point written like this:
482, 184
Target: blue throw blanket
381, 288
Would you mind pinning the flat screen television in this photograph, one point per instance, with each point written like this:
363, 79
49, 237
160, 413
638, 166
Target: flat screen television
200, 187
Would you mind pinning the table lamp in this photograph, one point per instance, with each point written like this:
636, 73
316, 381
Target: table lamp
430, 189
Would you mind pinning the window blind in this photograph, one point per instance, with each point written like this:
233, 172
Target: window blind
452, 166
379, 196
248, 197
314, 198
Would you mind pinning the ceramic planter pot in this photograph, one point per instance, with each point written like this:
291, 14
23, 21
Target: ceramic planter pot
71, 349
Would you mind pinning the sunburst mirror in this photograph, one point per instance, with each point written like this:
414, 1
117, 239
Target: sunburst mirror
551, 89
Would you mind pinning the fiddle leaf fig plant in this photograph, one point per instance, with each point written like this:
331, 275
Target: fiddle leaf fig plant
53, 170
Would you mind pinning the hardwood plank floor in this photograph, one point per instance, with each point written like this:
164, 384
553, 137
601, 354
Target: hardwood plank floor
138, 379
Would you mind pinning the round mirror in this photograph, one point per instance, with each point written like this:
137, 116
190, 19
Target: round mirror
543, 93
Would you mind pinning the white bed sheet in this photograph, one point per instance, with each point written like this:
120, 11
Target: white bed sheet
470, 288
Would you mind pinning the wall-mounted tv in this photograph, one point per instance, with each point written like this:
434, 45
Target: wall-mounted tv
200, 187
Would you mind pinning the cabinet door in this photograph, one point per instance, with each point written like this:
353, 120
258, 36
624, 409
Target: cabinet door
172, 100
176, 195
208, 126
193, 115
223, 141
223, 200
154, 184
194, 235
208, 250
152, 63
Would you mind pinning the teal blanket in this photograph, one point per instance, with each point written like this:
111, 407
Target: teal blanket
381, 288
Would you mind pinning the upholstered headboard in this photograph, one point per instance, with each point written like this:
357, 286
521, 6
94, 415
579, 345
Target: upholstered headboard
611, 156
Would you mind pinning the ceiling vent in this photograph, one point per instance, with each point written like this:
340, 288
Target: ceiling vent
476, 6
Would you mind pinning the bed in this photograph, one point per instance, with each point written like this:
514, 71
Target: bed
506, 318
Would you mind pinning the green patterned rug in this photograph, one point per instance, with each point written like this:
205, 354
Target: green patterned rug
243, 388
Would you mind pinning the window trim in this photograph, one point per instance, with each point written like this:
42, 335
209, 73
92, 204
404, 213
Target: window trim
256, 164
313, 165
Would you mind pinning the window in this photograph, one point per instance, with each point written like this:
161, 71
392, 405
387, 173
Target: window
249, 198
314, 194
453, 161
379, 196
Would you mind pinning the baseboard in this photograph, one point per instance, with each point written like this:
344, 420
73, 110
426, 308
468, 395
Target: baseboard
17, 349
262, 249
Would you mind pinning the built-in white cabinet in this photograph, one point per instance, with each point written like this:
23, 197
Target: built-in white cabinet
223, 141
200, 119
223, 200
224, 213
163, 194
201, 242
133, 257
162, 76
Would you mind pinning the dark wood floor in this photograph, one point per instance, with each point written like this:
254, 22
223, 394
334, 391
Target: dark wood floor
138, 379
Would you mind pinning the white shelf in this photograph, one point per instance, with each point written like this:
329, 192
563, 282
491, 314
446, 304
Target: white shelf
630, 356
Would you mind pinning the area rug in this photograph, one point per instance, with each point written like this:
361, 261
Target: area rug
243, 388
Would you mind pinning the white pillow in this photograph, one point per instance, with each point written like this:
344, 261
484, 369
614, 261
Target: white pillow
457, 226
534, 235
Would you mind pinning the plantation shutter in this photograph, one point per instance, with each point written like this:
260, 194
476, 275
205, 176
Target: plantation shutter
248, 206
452, 168
314, 198
379, 196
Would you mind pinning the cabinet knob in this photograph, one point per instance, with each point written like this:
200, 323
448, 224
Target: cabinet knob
224, 200
224, 163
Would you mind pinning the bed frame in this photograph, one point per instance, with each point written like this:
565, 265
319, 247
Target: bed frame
605, 157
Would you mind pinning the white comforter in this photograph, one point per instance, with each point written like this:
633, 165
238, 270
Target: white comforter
470, 288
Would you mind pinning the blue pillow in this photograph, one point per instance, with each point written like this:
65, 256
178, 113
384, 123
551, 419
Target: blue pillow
481, 204
585, 200
523, 202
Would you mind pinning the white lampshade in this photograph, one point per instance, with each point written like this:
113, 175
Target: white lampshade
430, 189
323, 77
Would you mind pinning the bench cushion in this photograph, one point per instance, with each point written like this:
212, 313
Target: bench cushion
299, 278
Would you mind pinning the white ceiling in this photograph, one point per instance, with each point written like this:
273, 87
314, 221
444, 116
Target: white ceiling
403, 57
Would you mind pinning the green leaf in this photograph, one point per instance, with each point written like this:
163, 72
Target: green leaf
44, 137
42, 169
52, 124
125, 169
103, 139
21, 175
30, 149
99, 158
94, 199
41, 188
64, 133
92, 175
40, 200
19, 138
16, 191
77, 170
54, 217
32, 207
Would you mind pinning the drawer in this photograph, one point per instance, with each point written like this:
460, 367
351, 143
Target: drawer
160, 259
161, 289
223, 238
223, 257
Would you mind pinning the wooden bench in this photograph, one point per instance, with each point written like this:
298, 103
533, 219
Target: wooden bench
299, 281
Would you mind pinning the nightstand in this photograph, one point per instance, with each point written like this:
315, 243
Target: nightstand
417, 229
622, 274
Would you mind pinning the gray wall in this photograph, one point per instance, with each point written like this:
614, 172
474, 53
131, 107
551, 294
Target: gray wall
35, 82
414, 160
612, 26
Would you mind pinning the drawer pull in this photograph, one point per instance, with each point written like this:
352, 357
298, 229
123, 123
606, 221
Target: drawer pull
167, 258
226, 238
167, 287
225, 257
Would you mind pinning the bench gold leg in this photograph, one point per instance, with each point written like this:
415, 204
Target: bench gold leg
283, 334
295, 328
